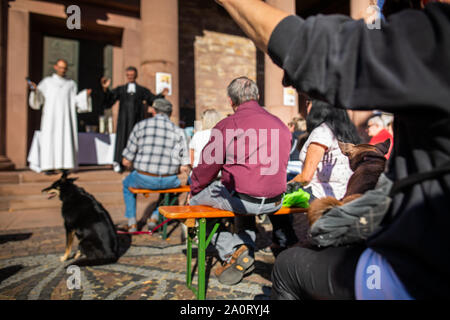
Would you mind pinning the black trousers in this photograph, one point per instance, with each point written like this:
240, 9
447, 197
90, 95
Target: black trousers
304, 274
283, 232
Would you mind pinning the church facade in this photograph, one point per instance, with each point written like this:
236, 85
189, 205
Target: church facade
193, 46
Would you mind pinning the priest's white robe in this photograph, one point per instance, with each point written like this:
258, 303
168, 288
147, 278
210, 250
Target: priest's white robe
58, 145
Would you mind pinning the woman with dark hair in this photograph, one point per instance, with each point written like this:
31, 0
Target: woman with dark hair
325, 169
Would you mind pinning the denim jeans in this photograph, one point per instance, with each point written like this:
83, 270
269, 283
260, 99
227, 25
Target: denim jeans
140, 181
217, 196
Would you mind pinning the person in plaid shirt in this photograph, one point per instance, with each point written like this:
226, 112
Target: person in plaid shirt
157, 151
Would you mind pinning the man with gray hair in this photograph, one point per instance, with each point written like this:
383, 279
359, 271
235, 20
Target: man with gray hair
251, 147
157, 151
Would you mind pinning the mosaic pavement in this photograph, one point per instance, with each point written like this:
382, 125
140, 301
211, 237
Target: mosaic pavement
149, 268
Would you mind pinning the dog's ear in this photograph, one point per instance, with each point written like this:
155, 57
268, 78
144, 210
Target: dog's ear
383, 147
346, 148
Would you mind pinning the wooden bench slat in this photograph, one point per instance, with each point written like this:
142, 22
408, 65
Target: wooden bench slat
196, 212
174, 190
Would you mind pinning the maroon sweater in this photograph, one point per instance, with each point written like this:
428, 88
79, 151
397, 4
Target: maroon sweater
251, 147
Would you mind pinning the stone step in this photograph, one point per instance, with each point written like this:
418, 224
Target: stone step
49, 217
85, 174
34, 188
28, 218
18, 202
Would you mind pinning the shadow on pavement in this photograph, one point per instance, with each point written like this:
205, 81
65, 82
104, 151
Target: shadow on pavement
14, 237
7, 272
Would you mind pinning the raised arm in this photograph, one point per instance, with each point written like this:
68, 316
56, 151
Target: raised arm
36, 98
256, 18
403, 64
110, 96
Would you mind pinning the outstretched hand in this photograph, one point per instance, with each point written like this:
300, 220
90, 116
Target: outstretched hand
293, 186
105, 82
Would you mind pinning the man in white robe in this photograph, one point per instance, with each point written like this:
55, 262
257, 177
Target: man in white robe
59, 133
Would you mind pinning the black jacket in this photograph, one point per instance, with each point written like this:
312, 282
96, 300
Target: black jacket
403, 68
132, 109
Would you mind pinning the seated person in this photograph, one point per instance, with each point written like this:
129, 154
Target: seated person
157, 151
246, 147
210, 118
378, 133
325, 169
298, 127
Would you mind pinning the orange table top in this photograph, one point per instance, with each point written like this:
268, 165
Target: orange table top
196, 212
174, 190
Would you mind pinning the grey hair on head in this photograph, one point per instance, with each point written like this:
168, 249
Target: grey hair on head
241, 90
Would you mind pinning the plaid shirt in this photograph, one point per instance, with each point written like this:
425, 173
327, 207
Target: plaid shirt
157, 146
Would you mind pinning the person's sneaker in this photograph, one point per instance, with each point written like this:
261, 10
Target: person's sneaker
132, 228
152, 224
241, 264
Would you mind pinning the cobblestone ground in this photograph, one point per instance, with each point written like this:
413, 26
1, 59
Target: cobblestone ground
149, 268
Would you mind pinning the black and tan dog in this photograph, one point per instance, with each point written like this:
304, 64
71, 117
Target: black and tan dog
86, 218
367, 162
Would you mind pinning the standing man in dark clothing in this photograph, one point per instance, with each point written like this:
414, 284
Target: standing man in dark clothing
251, 149
401, 68
134, 100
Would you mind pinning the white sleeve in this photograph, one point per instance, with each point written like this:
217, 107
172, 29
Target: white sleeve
193, 141
36, 98
83, 102
322, 135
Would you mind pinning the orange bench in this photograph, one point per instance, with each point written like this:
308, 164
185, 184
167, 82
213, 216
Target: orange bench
167, 201
147, 192
189, 214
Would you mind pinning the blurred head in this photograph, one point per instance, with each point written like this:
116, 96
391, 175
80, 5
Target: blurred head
242, 90
297, 124
131, 74
337, 119
374, 126
162, 106
60, 67
210, 118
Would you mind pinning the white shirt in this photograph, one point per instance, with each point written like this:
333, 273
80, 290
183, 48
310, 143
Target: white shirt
131, 88
333, 172
198, 142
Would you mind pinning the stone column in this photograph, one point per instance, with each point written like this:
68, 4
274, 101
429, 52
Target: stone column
5, 163
359, 10
273, 89
159, 46
17, 98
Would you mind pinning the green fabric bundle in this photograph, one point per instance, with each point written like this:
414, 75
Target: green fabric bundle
297, 199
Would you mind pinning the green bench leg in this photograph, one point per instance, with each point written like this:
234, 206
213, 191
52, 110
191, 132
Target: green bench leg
201, 257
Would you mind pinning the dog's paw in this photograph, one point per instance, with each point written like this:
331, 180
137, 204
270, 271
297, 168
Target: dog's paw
63, 258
